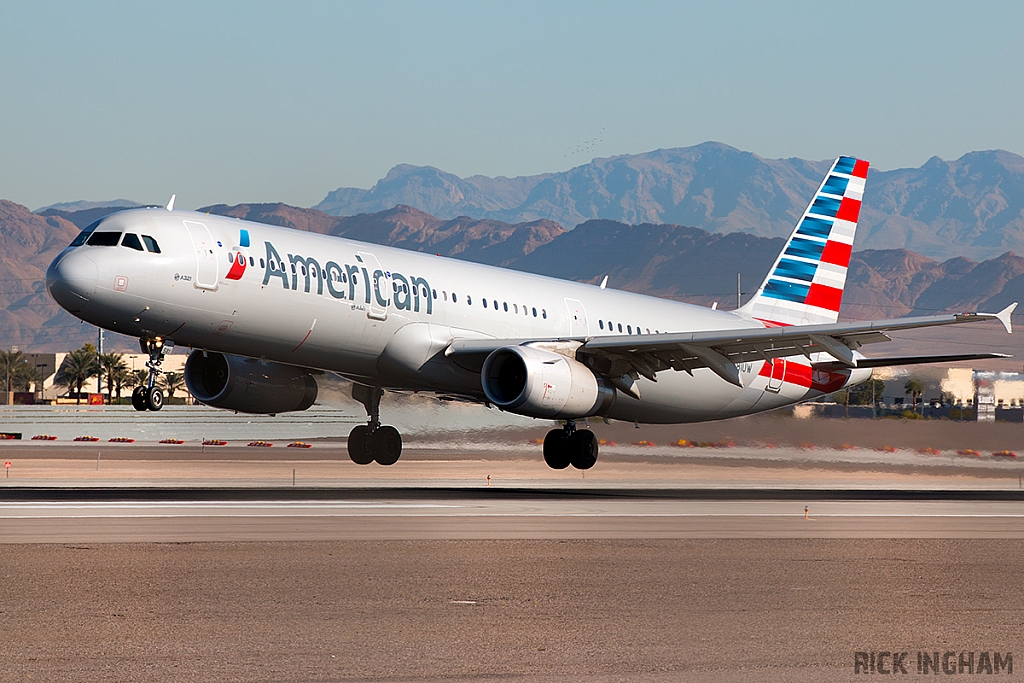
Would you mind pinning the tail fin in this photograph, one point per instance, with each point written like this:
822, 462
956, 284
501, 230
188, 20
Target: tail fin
805, 285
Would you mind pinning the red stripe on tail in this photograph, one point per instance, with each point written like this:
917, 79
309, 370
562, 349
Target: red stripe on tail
824, 296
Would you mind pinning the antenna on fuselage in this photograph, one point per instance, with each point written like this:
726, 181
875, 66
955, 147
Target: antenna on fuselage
170, 204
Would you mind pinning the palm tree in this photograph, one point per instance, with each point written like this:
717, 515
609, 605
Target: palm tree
78, 367
120, 377
109, 364
17, 373
172, 382
141, 377
914, 387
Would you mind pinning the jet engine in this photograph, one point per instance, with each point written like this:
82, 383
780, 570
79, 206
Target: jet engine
540, 383
248, 385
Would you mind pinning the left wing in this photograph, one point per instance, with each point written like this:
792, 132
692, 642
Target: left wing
721, 350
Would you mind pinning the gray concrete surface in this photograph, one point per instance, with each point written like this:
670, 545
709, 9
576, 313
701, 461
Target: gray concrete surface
501, 518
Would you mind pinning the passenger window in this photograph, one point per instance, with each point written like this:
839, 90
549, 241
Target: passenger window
293, 268
629, 330
535, 313
231, 258
544, 313
252, 262
469, 300
151, 244
515, 308
131, 240
455, 299
104, 239
261, 263
620, 327
444, 295
495, 304
434, 292
485, 303
600, 323
505, 304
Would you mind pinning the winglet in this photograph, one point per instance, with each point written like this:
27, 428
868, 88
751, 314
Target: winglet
604, 282
1004, 317
170, 204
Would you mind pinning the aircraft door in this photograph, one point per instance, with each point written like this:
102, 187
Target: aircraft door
378, 284
578, 326
778, 372
206, 257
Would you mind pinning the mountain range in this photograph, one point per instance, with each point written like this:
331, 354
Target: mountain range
673, 261
674, 223
973, 206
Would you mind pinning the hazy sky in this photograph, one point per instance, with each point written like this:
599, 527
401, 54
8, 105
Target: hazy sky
253, 101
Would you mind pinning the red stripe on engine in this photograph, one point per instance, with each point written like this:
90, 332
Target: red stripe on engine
837, 253
824, 296
849, 210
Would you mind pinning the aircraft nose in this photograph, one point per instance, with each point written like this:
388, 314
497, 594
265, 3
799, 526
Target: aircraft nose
71, 278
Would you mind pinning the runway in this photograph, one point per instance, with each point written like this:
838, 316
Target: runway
663, 570
149, 516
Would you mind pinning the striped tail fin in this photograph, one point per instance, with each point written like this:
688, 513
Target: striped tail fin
805, 285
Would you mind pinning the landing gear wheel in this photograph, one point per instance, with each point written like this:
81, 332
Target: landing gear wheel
154, 398
386, 444
582, 448
139, 398
556, 453
359, 445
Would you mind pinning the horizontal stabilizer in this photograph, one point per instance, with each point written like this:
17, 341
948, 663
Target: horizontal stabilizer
908, 360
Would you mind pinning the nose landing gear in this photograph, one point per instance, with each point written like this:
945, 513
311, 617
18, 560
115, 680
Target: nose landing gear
570, 446
373, 441
150, 396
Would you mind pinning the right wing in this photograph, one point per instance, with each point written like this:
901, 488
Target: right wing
721, 350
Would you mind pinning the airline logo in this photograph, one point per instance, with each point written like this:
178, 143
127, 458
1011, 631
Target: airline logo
238, 258
806, 284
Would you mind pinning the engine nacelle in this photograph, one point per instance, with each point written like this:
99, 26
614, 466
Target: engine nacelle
539, 383
248, 385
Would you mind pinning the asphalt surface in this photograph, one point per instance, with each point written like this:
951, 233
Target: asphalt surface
501, 610
441, 578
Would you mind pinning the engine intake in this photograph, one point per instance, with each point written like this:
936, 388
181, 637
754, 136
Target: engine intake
248, 385
539, 383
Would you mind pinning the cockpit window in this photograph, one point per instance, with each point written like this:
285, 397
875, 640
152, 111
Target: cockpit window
131, 240
104, 239
151, 244
84, 235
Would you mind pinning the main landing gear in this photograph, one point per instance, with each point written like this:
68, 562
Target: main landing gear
150, 396
570, 446
373, 441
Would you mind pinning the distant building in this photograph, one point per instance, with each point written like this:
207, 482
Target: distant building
46, 365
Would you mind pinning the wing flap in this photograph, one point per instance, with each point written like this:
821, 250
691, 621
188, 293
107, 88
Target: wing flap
909, 360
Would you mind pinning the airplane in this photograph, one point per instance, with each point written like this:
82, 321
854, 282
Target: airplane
266, 309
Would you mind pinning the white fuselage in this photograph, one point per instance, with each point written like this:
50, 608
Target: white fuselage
384, 316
